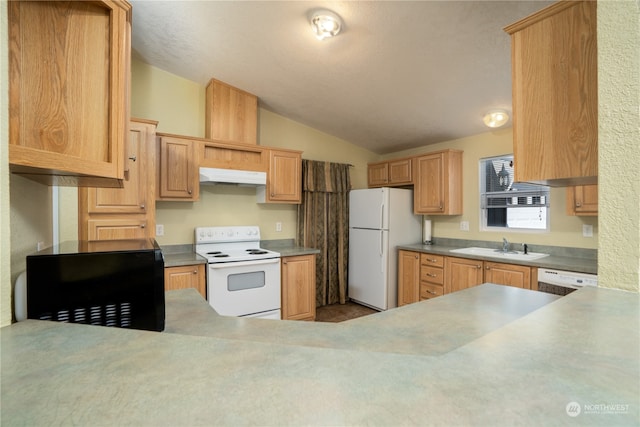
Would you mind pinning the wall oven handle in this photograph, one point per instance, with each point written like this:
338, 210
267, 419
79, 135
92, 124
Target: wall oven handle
245, 263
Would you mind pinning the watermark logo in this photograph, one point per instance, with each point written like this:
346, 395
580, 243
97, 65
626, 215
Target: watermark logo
573, 409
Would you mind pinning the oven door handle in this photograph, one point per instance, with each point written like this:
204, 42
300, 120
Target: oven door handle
245, 263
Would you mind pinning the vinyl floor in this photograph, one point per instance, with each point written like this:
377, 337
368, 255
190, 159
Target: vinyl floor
341, 312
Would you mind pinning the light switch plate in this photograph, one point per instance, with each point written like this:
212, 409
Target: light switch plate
464, 225
159, 230
587, 230
278, 227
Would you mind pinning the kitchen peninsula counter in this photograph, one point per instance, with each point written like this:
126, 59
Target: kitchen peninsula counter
518, 363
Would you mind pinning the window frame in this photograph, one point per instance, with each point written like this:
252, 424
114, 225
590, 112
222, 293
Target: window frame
484, 211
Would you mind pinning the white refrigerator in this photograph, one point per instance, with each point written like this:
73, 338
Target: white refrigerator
380, 219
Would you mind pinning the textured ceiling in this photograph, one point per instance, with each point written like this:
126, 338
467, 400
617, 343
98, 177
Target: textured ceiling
400, 75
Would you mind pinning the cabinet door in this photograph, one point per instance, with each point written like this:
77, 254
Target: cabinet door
582, 200
120, 228
73, 124
518, 276
177, 170
400, 172
185, 277
378, 174
132, 197
461, 273
231, 114
408, 277
285, 176
429, 185
555, 94
299, 287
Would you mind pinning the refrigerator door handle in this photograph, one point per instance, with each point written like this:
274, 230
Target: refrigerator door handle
382, 215
381, 251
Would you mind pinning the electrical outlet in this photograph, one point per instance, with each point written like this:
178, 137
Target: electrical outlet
587, 230
159, 230
40, 246
464, 225
278, 227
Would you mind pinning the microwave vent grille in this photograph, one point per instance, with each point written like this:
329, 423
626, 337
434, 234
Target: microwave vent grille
113, 314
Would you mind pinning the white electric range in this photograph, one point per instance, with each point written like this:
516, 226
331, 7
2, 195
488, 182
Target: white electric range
243, 279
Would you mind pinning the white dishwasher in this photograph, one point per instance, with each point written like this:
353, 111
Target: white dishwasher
559, 282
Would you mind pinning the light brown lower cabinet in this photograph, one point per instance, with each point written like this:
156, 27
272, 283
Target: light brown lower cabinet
424, 276
462, 273
408, 277
519, 276
299, 287
185, 277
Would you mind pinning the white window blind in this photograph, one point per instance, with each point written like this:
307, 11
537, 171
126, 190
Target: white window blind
507, 204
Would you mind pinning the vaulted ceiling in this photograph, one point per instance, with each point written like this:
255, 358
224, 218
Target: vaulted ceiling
401, 74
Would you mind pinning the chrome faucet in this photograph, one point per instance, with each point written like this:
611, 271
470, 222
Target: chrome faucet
505, 245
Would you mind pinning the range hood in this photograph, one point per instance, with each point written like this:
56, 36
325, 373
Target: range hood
232, 176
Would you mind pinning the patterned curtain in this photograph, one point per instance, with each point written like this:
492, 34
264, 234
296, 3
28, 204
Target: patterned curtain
323, 223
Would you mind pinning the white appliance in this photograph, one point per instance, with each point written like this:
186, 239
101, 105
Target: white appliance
563, 282
243, 279
380, 219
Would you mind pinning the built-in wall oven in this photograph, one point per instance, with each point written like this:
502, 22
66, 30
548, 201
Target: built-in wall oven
559, 282
243, 279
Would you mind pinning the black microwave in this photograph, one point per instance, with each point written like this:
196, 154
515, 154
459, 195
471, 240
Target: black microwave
109, 283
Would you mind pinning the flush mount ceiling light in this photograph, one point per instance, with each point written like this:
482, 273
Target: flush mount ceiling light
495, 118
325, 24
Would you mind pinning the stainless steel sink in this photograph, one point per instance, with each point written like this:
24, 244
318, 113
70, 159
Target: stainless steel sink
499, 254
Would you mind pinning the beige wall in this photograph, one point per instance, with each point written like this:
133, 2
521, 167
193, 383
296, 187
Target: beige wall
5, 234
158, 95
565, 230
619, 144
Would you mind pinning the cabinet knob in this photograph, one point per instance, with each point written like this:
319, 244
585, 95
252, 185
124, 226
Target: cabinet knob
441, 206
195, 271
431, 292
432, 275
272, 194
487, 267
143, 225
479, 266
578, 204
416, 256
142, 206
132, 158
189, 191
284, 261
431, 260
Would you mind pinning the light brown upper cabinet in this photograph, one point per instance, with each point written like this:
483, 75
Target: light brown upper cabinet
390, 173
231, 114
284, 178
127, 212
178, 174
69, 90
555, 95
438, 183
582, 200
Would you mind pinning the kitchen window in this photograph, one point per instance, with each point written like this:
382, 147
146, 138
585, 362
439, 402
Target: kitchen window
508, 205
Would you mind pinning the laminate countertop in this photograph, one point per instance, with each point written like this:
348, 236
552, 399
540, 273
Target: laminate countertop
488, 355
563, 261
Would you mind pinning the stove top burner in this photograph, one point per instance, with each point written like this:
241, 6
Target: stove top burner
219, 255
258, 252
214, 253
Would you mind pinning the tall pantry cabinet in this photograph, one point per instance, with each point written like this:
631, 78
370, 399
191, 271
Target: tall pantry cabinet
127, 212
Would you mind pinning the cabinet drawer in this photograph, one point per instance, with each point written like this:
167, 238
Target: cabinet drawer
427, 290
432, 260
432, 275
